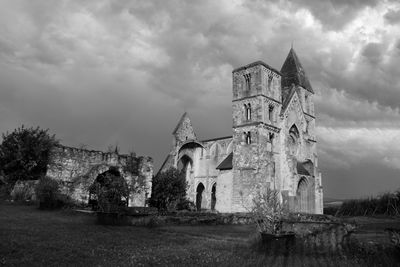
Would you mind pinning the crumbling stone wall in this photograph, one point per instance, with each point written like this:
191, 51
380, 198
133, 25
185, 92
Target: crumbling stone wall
77, 169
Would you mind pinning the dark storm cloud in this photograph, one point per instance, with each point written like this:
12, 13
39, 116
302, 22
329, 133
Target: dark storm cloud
373, 52
393, 16
374, 76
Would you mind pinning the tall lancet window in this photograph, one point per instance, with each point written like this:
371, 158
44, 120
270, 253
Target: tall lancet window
271, 113
248, 112
247, 78
247, 138
270, 77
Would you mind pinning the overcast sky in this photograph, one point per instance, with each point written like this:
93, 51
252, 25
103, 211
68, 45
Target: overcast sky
106, 72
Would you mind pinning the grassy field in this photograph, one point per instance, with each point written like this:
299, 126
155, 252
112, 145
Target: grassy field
31, 237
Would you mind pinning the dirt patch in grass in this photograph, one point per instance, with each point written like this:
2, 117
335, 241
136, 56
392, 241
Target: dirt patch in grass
58, 238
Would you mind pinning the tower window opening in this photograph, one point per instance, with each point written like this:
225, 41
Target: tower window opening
248, 138
271, 113
269, 81
271, 137
248, 112
247, 78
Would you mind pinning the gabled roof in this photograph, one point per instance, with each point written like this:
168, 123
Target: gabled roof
226, 164
293, 73
288, 100
180, 122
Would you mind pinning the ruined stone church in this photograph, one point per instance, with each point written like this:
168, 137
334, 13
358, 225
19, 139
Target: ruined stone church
273, 143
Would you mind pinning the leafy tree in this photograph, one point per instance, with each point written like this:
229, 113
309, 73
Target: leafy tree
25, 153
168, 189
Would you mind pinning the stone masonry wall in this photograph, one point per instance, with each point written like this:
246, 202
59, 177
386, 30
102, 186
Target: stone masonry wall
77, 169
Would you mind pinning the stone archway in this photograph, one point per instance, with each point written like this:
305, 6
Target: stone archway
304, 196
213, 196
105, 180
199, 196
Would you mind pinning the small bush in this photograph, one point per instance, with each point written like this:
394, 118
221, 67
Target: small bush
23, 191
394, 235
48, 193
331, 210
185, 204
267, 210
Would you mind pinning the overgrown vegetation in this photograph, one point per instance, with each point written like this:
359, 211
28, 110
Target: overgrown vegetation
168, 190
111, 191
23, 191
387, 204
25, 154
267, 210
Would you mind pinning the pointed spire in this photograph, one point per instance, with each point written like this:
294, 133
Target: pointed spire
293, 73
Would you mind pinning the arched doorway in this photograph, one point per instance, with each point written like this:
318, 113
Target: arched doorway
213, 196
199, 196
106, 183
302, 196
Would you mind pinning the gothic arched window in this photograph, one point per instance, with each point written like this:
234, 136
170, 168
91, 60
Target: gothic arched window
293, 139
247, 78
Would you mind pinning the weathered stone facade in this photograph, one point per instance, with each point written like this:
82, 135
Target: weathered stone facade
273, 144
77, 169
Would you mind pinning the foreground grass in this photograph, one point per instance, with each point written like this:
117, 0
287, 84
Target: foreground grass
59, 238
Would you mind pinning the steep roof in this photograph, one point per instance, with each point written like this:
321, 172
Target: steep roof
226, 164
180, 122
293, 73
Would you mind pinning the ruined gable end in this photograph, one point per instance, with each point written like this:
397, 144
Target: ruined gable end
184, 129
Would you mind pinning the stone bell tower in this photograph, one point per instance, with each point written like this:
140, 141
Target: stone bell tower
256, 107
